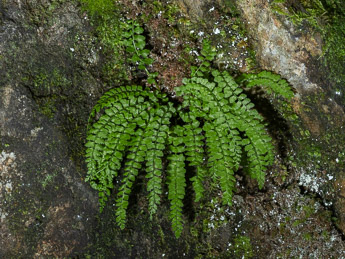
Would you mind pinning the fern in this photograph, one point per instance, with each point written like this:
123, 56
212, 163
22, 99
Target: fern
214, 131
271, 83
128, 112
227, 112
134, 43
194, 151
176, 179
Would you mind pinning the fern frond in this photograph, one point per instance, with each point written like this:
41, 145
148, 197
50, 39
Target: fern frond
259, 151
221, 158
270, 83
134, 123
223, 143
194, 145
176, 179
131, 169
110, 136
113, 96
107, 140
257, 142
156, 134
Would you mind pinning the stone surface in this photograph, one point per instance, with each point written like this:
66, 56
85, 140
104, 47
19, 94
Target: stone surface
51, 75
296, 54
46, 210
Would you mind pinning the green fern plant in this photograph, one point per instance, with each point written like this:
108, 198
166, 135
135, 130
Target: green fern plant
134, 43
212, 131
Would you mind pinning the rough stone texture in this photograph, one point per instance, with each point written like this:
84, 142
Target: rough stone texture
50, 76
38, 180
295, 54
279, 47
46, 210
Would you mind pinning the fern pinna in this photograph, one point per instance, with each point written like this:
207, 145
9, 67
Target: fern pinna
217, 126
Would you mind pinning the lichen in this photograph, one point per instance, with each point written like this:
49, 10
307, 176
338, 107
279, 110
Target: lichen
7, 179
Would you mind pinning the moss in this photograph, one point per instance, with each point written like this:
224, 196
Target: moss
47, 106
43, 13
334, 50
242, 247
100, 8
105, 17
308, 236
46, 80
170, 11
27, 218
231, 7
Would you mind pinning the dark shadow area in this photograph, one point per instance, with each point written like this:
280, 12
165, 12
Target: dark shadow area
276, 125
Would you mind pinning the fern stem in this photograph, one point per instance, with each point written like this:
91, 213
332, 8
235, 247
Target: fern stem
135, 48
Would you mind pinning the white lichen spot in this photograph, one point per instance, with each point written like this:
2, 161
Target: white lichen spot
311, 181
333, 238
35, 131
216, 31
328, 204
8, 174
8, 187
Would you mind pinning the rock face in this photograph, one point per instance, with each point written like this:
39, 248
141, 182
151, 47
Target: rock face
46, 210
279, 46
51, 74
295, 54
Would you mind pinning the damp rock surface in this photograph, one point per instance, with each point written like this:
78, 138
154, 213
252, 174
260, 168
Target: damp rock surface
53, 69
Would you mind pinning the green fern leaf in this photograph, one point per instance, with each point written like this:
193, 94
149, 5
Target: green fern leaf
271, 83
111, 135
176, 179
156, 135
131, 169
227, 111
194, 142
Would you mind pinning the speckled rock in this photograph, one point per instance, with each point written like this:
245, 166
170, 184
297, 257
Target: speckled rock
296, 55
52, 77
45, 208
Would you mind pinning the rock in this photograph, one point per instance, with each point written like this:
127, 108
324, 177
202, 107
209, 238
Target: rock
51, 75
45, 208
296, 55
